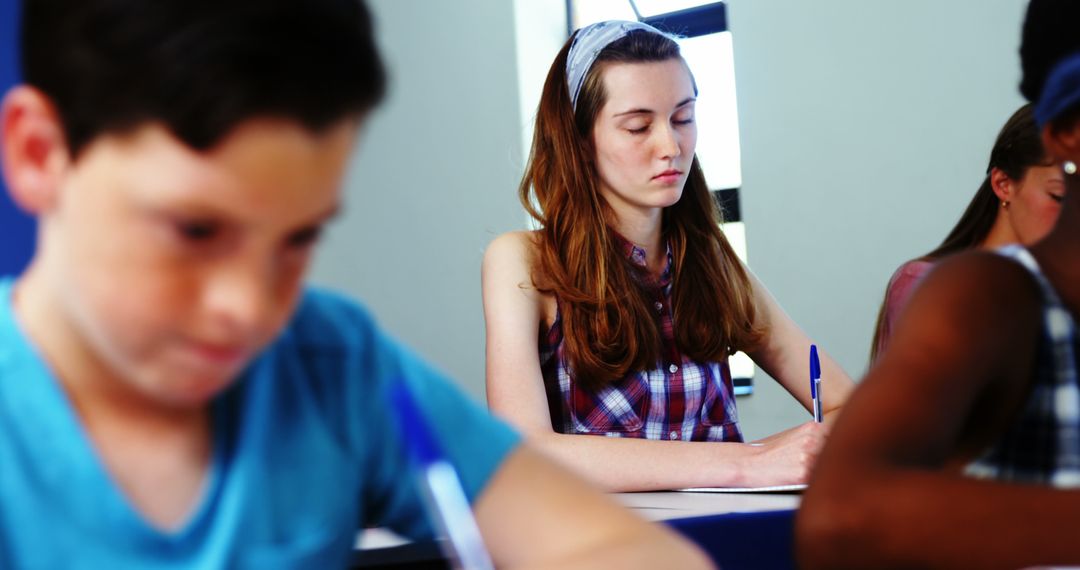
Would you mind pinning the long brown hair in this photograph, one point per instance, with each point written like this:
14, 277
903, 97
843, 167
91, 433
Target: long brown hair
1018, 147
609, 325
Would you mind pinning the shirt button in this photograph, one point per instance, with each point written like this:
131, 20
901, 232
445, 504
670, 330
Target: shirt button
674, 435
659, 306
673, 369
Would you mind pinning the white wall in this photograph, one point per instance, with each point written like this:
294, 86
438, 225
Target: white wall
435, 178
866, 126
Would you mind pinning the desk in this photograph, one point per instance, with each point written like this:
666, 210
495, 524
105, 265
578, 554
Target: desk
668, 505
737, 530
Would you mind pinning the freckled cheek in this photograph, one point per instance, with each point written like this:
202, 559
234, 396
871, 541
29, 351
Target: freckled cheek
690, 142
625, 162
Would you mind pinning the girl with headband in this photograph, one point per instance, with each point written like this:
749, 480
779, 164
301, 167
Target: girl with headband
617, 316
961, 448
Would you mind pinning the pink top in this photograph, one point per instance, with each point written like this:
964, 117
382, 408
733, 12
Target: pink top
901, 285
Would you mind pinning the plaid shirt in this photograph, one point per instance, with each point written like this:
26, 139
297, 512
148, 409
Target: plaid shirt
678, 400
1042, 445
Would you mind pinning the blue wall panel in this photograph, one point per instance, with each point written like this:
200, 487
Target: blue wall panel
16, 228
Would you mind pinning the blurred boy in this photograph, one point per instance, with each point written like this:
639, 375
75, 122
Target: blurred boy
170, 393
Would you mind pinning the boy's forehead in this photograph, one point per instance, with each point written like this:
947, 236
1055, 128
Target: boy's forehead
264, 167
249, 137
269, 138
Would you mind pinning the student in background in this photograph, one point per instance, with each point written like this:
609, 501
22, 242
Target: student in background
617, 317
171, 394
1017, 203
961, 448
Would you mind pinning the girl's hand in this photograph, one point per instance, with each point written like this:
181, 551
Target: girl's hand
786, 458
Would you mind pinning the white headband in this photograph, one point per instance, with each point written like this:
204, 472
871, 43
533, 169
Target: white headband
588, 43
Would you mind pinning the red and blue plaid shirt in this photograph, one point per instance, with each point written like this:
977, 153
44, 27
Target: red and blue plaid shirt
678, 400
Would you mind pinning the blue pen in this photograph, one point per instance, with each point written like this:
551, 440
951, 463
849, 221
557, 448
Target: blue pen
441, 487
815, 383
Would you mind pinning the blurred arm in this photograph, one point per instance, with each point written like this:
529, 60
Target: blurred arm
883, 494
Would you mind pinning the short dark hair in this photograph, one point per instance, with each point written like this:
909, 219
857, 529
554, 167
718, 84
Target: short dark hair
1049, 35
200, 67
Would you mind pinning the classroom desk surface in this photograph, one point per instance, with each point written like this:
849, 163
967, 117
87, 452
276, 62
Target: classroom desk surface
738, 530
666, 505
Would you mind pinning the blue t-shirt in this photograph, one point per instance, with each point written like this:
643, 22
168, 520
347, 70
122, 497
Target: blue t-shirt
305, 452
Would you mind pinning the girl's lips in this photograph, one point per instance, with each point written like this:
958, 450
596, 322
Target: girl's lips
668, 176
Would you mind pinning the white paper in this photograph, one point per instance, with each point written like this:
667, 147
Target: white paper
772, 489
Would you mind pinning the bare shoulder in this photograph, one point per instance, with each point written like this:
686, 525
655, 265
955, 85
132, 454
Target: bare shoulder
508, 264
509, 257
511, 247
913, 269
908, 274
507, 274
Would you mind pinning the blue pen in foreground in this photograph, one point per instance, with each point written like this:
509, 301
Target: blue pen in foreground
815, 383
445, 498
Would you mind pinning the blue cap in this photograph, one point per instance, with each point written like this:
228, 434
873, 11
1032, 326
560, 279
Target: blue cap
815, 365
1061, 91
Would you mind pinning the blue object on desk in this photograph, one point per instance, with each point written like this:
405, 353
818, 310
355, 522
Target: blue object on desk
759, 541
440, 485
815, 384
